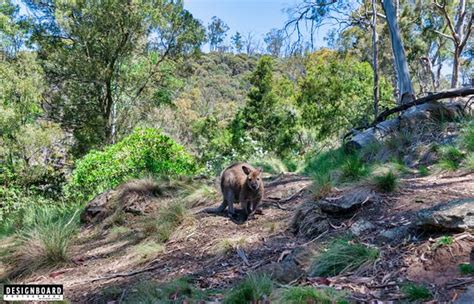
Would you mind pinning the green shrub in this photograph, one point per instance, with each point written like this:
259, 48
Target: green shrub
144, 152
387, 182
342, 256
251, 289
308, 294
466, 269
451, 158
414, 292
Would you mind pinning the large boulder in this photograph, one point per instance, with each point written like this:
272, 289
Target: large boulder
347, 203
98, 208
456, 215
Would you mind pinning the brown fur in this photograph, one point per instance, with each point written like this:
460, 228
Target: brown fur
242, 183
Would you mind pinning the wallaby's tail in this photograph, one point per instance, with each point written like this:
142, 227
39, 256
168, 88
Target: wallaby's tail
215, 210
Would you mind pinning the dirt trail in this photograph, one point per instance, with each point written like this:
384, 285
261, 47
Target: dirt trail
205, 248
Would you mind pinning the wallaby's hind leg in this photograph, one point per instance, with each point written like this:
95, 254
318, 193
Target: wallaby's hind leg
229, 199
219, 209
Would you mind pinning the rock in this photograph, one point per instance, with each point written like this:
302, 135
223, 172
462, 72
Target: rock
309, 221
395, 235
361, 226
347, 203
98, 208
467, 296
290, 268
456, 215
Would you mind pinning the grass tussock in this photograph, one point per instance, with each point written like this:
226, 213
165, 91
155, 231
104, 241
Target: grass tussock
451, 158
201, 195
170, 217
470, 161
177, 291
46, 242
333, 167
423, 171
146, 251
343, 256
252, 289
414, 292
225, 246
386, 182
308, 294
466, 269
467, 137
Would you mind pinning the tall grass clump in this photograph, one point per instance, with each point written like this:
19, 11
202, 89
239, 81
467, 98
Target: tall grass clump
451, 158
343, 256
386, 182
467, 137
250, 290
46, 241
309, 294
414, 292
170, 217
354, 168
177, 291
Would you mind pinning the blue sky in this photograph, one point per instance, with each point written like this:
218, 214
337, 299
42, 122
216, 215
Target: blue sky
244, 16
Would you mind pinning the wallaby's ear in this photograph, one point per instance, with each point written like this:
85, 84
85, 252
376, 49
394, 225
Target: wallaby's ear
246, 170
260, 170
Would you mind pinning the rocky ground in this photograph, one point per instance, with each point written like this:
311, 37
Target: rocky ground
216, 252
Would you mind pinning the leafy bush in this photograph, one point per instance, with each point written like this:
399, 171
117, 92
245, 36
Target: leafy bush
342, 256
387, 182
308, 294
251, 289
414, 292
144, 152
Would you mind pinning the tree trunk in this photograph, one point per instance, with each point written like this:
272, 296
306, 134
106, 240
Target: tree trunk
376, 59
403, 74
456, 64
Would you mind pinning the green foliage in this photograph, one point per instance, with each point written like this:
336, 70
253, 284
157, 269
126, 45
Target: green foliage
466, 269
144, 152
343, 256
414, 292
107, 82
445, 240
387, 182
451, 158
308, 294
336, 93
470, 161
251, 289
266, 120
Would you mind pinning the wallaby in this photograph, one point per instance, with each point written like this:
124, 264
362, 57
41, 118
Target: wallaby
242, 183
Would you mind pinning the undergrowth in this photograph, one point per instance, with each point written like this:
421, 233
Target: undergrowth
414, 292
308, 294
387, 182
451, 158
252, 289
343, 256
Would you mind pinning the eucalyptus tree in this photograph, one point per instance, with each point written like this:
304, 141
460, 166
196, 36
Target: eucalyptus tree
107, 61
216, 33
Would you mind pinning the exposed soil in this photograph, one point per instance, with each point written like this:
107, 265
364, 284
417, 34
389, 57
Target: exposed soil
205, 247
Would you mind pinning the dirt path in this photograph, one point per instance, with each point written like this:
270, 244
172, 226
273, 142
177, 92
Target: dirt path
205, 248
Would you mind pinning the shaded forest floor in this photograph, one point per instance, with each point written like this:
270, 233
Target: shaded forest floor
215, 252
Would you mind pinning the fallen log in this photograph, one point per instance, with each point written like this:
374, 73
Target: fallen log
414, 118
458, 92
